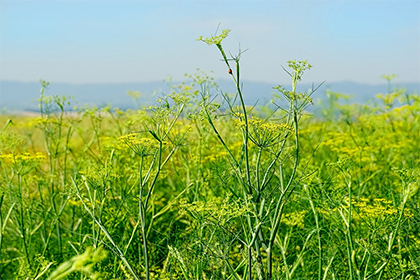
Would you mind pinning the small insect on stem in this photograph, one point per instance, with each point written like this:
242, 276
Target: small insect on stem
230, 71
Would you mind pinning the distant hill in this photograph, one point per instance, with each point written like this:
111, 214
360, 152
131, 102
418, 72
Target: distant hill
21, 96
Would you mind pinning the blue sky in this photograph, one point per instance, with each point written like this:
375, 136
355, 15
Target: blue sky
135, 41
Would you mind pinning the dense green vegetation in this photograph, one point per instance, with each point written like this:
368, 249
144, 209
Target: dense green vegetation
192, 188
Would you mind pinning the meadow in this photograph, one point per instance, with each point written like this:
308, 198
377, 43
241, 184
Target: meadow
202, 185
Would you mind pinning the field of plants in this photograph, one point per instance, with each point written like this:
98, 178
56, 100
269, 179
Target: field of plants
202, 185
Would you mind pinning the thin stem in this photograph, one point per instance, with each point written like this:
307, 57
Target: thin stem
318, 229
350, 252
257, 175
280, 204
142, 215
107, 234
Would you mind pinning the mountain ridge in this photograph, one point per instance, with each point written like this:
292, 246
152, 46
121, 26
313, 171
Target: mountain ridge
22, 96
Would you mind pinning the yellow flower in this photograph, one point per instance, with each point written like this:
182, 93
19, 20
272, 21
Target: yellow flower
140, 145
23, 158
294, 219
265, 134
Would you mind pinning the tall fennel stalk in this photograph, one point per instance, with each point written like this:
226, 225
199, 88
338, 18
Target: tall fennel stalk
56, 137
153, 142
265, 188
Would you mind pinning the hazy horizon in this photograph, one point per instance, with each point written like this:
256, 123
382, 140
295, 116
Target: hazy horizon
379, 81
22, 96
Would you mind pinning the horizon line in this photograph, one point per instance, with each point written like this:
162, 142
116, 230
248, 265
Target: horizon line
216, 80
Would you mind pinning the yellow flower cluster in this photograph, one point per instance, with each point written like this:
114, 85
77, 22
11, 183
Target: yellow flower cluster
313, 128
140, 145
214, 157
110, 143
344, 145
268, 127
264, 134
335, 140
215, 39
178, 135
98, 177
376, 208
23, 158
85, 200
294, 219
181, 130
44, 121
221, 210
389, 98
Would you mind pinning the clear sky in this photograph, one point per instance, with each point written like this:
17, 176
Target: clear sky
135, 41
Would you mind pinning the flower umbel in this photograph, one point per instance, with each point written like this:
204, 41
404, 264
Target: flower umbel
216, 40
140, 145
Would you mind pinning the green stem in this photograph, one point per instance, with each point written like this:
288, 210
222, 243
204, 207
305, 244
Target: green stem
142, 215
21, 220
280, 203
318, 229
107, 234
350, 252
257, 175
